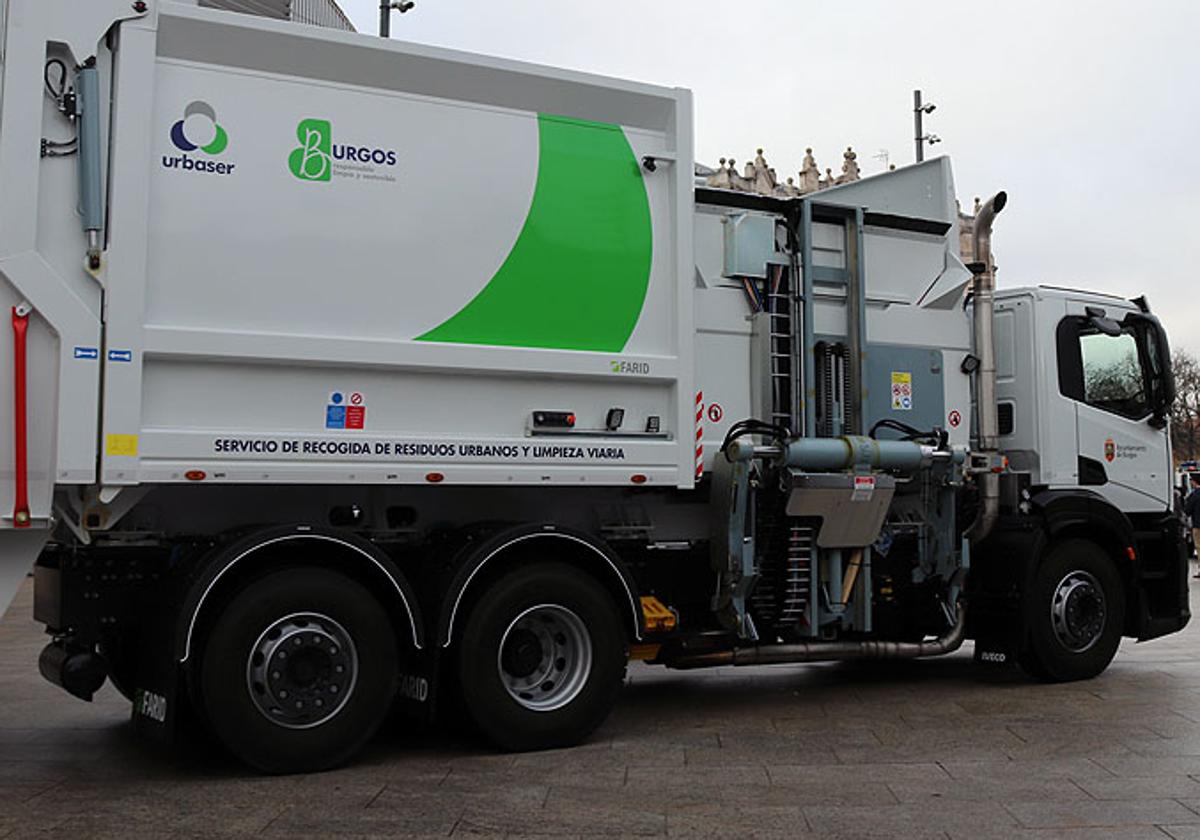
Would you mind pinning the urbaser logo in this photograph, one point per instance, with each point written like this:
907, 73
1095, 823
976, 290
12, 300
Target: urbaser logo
199, 131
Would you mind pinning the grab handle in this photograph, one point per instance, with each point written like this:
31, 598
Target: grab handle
20, 324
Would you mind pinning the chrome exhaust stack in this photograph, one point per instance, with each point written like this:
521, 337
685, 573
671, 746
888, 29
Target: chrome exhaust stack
984, 303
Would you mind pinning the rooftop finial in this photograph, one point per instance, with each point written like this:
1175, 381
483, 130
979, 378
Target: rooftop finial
810, 173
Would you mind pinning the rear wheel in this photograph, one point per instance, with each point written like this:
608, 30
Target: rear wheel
1074, 614
542, 658
299, 671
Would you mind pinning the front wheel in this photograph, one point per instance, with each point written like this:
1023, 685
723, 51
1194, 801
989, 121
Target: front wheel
299, 670
542, 658
1074, 614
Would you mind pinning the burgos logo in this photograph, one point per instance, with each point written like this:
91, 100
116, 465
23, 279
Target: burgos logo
199, 131
317, 155
313, 161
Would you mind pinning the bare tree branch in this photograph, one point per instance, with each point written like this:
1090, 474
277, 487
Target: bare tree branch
1185, 414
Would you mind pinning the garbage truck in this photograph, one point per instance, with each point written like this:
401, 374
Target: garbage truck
345, 375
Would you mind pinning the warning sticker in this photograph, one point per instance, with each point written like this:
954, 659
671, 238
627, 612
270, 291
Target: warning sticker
902, 390
339, 415
335, 417
864, 488
123, 446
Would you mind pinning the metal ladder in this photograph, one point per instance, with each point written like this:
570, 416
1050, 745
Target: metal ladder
797, 582
780, 305
853, 279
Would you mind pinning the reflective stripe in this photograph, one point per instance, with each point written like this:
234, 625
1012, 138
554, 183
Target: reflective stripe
637, 630
187, 650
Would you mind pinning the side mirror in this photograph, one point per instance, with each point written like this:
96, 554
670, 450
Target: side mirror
1157, 350
1163, 347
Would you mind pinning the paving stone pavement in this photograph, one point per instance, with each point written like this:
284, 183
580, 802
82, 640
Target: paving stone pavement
932, 749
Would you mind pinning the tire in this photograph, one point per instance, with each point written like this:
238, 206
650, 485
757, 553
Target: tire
1074, 614
327, 622
542, 658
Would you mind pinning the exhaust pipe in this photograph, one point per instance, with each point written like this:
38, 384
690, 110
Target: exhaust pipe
78, 671
985, 379
829, 651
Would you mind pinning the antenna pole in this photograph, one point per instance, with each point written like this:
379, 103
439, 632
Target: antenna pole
918, 134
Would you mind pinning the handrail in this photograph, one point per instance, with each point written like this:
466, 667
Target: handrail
20, 324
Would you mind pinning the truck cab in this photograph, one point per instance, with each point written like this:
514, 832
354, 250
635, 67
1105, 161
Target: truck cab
1083, 384
1078, 404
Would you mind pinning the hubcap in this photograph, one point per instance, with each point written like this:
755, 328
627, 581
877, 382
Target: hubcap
1078, 611
545, 657
302, 670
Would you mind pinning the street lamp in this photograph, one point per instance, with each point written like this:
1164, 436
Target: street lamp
385, 14
920, 137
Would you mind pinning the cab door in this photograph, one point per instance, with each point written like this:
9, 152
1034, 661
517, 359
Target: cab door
1108, 368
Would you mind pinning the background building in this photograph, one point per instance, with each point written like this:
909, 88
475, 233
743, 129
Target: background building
315, 12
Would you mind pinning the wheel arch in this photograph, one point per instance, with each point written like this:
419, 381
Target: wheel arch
265, 550
508, 548
1005, 565
1086, 515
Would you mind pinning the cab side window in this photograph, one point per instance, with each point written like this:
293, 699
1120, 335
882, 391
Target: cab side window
1112, 374
1104, 371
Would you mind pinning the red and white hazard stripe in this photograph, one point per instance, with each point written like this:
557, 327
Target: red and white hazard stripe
699, 435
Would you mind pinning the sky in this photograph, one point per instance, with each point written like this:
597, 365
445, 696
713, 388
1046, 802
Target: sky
1087, 114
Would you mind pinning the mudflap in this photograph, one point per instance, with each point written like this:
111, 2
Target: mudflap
419, 687
19, 550
160, 699
1000, 571
995, 624
997, 647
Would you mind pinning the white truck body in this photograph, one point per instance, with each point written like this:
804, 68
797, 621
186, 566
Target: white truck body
435, 372
379, 320
233, 331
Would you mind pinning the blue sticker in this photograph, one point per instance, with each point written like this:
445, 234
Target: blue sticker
336, 398
87, 353
335, 417
120, 355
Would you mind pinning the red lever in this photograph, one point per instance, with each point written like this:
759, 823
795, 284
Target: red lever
20, 323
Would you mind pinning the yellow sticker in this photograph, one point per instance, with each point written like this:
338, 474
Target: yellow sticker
902, 390
122, 445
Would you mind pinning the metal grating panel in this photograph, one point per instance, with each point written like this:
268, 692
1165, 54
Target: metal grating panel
320, 13
324, 13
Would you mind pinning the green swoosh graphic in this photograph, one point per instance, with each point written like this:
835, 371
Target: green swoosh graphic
576, 279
